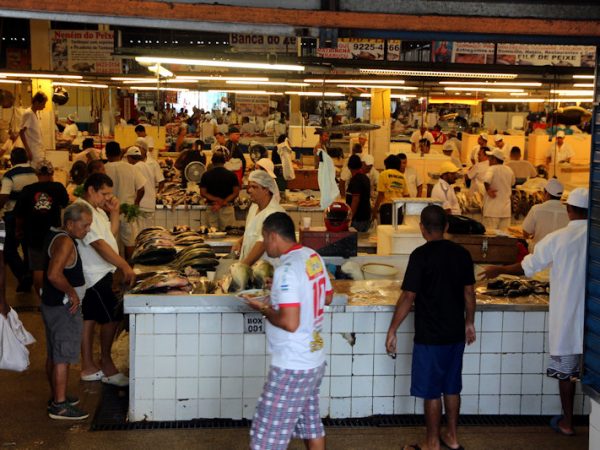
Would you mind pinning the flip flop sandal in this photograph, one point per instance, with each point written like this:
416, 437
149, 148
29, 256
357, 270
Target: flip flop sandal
443, 443
554, 425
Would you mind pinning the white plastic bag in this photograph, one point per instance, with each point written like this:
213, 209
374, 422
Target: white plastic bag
13, 353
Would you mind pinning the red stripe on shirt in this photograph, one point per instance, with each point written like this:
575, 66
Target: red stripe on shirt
289, 305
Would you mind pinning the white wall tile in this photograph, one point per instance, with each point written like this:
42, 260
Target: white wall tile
232, 344
489, 384
382, 321
187, 388
232, 366
164, 409
383, 405
209, 366
402, 385
210, 323
254, 344
469, 404
326, 323
164, 344
470, 363
249, 407
362, 406
340, 344
144, 366
510, 384
512, 342
362, 387
470, 385
164, 388
531, 404
187, 366
475, 347
339, 407
531, 384
511, 362
403, 364
404, 344
533, 342
252, 386
491, 321
489, 404
143, 409
340, 387
379, 344
407, 325
324, 387
491, 342
187, 323
165, 323
362, 365
551, 404
144, 388
490, 363
587, 405
341, 365
578, 404
144, 344
534, 321
342, 323
231, 408
324, 403
383, 365
186, 409
144, 323
478, 321
364, 344
232, 323
231, 387
512, 321
209, 387
510, 404
419, 406
404, 404
187, 344
549, 386
165, 366
383, 386
364, 322
210, 344
254, 366
532, 362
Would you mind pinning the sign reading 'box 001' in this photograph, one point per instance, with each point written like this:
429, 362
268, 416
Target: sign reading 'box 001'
254, 323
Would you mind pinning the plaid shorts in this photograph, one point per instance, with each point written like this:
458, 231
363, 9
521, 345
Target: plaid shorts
288, 407
564, 367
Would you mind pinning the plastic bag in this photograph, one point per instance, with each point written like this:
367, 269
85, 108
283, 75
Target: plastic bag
13, 353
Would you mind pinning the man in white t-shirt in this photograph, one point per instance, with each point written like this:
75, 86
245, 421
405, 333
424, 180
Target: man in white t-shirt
414, 182
561, 151
477, 172
498, 182
482, 141
140, 131
289, 404
100, 258
522, 168
443, 191
71, 130
419, 134
31, 131
372, 173
128, 188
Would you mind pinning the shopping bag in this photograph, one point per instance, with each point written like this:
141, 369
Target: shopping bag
17, 326
13, 353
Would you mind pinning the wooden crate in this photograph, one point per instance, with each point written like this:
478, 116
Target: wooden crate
327, 243
488, 249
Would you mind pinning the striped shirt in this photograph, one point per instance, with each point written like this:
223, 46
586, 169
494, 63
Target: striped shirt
14, 181
2, 235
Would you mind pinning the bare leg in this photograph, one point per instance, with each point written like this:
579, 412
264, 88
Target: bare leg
315, 444
60, 376
88, 366
452, 406
433, 417
567, 396
50, 374
107, 336
38, 282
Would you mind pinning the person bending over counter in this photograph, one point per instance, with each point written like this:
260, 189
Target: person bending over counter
391, 185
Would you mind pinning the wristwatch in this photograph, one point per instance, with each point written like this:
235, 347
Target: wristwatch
264, 308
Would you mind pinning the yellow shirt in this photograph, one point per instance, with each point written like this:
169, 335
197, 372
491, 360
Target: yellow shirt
393, 185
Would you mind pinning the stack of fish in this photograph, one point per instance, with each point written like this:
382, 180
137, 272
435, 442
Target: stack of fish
154, 246
173, 195
516, 288
198, 256
169, 282
242, 276
523, 201
188, 238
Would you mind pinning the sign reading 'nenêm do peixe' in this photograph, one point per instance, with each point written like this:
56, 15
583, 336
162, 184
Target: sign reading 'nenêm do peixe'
261, 43
83, 51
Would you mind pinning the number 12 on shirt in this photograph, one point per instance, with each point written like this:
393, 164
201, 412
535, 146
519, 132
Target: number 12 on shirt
318, 300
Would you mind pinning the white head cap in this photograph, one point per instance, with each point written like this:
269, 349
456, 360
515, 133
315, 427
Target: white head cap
496, 153
579, 197
483, 136
133, 151
560, 134
262, 178
498, 138
554, 187
268, 165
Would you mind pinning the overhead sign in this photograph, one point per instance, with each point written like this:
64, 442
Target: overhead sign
84, 51
546, 55
262, 43
252, 105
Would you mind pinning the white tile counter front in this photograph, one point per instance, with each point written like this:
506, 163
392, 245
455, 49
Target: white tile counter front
190, 358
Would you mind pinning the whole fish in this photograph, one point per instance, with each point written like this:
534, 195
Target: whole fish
162, 283
241, 275
262, 271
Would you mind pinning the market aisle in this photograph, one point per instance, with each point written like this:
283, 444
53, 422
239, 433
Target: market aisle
25, 425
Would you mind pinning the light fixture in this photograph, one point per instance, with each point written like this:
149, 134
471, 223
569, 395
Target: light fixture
571, 100
427, 73
494, 83
583, 77
583, 85
519, 94
267, 83
400, 96
139, 79
80, 85
572, 92
377, 86
41, 76
218, 78
248, 92
10, 82
315, 94
515, 100
161, 71
153, 81
482, 89
353, 80
214, 63
149, 88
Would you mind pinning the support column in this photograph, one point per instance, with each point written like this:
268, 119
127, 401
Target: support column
295, 111
379, 140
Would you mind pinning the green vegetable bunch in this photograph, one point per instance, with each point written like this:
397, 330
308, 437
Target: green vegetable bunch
131, 212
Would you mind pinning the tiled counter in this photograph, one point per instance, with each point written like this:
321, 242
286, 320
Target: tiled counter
190, 358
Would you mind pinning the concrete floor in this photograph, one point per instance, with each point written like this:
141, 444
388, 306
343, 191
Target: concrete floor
24, 423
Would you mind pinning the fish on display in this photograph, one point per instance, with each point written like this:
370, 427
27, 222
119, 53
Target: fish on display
204, 286
353, 128
262, 272
163, 283
154, 246
188, 238
238, 279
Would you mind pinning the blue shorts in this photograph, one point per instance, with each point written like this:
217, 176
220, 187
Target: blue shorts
436, 370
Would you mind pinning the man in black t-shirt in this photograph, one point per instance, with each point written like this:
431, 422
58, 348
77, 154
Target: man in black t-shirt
439, 280
358, 195
38, 208
220, 188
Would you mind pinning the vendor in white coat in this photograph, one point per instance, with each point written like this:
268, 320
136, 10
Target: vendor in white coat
560, 152
443, 191
265, 201
565, 252
498, 182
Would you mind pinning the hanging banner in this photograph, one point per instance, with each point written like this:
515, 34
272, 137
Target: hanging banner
84, 51
546, 55
261, 43
462, 52
393, 50
350, 48
18, 59
252, 105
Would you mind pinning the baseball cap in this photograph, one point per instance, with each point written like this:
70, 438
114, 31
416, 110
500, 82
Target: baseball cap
448, 167
483, 136
496, 153
498, 138
560, 134
71, 117
368, 160
579, 197
133, 151
554, 187
45, 167
448, 147
268, 165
